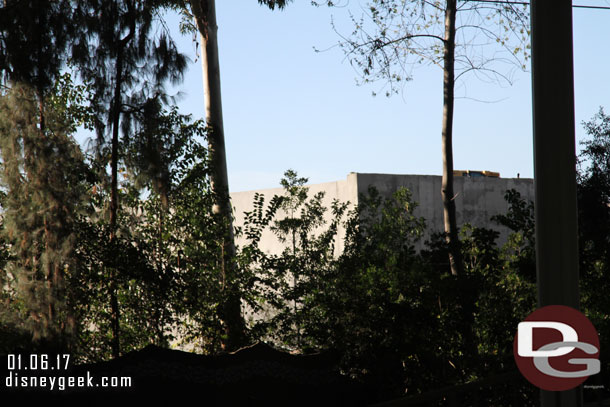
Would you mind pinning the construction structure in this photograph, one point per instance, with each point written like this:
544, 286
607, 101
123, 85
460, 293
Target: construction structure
479, 195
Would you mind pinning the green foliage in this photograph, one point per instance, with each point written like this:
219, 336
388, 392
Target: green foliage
272, 4
521, 247
43, 172
56, 252
501, 294
282, 285
151, 155
55, 211
44, 178
378, 304
386, 309
393, 36
127, 64
195, 239
34, 38
72, 102
90, 287
594, 223
165, 254
125, 76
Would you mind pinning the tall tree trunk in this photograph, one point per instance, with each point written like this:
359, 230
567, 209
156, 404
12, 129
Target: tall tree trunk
204, 12
451, 231
450, 223
114, 206
114, 193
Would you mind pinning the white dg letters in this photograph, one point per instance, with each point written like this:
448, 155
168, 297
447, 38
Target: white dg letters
525, 339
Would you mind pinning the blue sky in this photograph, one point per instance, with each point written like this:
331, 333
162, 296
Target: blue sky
286, 106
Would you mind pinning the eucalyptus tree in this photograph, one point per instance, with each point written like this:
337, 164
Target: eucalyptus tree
204, 13
487, 39
201, 17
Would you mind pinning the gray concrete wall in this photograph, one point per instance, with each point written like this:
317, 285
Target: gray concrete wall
477, 200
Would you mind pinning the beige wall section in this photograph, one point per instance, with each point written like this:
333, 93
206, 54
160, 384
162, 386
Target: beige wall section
477, 199
344, 191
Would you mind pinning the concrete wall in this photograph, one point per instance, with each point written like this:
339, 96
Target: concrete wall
477, 199
344, 191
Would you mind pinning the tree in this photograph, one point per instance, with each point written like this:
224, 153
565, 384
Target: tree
378, 301
166, 254
396, 34
282, 285
127, 71
594, 220
44, 176
198, 260
42, 166
204, 14
594, 185
34, 36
